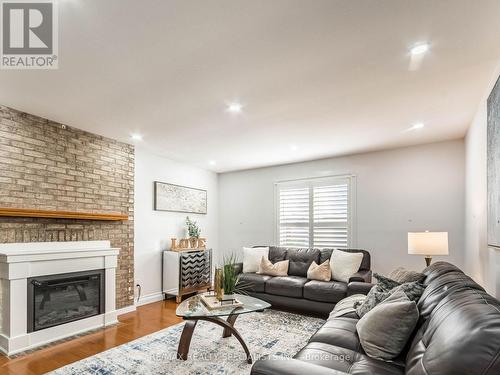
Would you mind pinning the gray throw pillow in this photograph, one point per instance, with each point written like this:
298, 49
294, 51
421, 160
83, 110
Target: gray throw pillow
379, 293
385, 283
412, 290
375, 296
402, 275
384, 331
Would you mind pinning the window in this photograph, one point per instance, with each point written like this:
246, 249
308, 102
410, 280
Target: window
315, 213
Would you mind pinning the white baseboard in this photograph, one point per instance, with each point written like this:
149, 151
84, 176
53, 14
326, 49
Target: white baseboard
125, 310
150, 298
144, 300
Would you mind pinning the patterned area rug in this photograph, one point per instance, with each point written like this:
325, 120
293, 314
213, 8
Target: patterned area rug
269, 332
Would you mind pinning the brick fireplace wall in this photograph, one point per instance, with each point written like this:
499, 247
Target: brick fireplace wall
47, 165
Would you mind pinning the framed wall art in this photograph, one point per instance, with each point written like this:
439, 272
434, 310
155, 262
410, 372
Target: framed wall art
177, 198
493, 158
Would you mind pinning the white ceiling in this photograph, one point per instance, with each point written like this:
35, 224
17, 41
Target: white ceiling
328, 77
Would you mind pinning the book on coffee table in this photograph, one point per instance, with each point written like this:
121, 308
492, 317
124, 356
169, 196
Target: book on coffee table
212, 303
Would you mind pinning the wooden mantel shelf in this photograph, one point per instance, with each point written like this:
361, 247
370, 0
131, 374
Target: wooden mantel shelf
27, 212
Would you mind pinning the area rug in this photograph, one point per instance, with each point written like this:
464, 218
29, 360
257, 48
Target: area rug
268, 332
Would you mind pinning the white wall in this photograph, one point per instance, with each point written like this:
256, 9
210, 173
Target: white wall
407, 189
154, 229
483, 264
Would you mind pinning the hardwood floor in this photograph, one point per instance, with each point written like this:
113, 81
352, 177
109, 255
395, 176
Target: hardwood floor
145, 320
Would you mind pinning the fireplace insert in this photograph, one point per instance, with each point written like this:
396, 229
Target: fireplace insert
63, 298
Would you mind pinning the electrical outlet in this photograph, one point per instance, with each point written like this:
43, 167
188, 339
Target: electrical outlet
138, 290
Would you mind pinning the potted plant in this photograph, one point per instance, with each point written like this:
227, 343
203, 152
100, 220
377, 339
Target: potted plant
193, 231
231, 281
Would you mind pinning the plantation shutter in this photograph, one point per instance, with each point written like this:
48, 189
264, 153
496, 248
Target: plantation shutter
331, 216
315, 213
294, 217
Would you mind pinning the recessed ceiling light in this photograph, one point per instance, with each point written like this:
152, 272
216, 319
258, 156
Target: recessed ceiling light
293, 147
212, 162
419, 49
136, 136
234, 107
417, 126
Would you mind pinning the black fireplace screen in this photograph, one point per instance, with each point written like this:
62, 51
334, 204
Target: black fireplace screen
59, 299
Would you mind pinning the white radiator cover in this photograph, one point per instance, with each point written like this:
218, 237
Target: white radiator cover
20, 261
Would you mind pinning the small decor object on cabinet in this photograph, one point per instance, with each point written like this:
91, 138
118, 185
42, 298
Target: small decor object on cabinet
170, 197
188, 243
202, 243
186, 271
193, 241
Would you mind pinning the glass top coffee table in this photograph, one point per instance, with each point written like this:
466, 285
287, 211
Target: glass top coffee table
194, 309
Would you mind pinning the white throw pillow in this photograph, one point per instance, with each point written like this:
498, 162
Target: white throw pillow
344, 264
252, 257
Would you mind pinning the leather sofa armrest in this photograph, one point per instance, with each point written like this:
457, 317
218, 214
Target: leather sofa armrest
355, 287
287, 366
238, 267
363, 276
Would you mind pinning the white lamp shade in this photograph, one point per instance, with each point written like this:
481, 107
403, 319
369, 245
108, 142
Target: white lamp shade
428, 243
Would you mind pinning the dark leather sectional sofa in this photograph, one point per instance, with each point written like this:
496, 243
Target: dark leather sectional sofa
295, 292
458, 334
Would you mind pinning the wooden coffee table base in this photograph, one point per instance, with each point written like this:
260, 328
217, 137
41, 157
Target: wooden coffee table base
187, 333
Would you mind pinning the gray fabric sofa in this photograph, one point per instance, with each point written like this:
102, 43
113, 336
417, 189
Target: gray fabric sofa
458, 333
295, 292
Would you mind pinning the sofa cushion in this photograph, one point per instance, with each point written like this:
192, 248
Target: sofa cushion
339, 332
442, 279
345, 307
454, 309
325, 291
346, 360
289, 286
300, 260
277, 253
253, 282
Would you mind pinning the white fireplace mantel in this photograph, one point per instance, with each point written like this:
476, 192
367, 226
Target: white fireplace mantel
20, 261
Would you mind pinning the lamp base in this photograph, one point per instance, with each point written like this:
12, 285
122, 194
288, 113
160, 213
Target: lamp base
428, 260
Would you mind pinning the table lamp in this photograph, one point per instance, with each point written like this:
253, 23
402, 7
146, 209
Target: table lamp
428, 243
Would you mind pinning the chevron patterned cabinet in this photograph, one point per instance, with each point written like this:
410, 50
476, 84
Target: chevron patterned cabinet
186, 272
